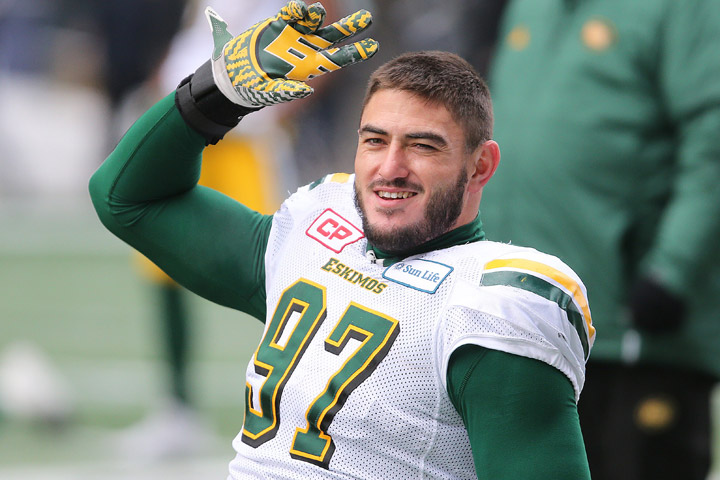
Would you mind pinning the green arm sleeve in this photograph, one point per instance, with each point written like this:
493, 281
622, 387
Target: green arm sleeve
146, 193
520, 415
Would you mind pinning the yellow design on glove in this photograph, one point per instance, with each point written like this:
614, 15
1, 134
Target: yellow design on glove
270, 62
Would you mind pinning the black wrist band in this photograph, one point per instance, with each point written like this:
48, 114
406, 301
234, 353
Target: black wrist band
205, 108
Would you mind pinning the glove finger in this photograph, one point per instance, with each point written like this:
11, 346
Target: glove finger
274, 92
349, 54
346, 27
312, 20
293, 11
220, 34
285, 90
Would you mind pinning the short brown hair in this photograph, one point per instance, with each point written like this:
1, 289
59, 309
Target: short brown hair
445, 78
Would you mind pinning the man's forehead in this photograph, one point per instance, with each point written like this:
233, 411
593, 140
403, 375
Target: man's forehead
405, 113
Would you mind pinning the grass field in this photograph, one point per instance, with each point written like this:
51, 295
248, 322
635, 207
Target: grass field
70, 288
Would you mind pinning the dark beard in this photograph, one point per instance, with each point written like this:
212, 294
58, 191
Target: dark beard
443, 209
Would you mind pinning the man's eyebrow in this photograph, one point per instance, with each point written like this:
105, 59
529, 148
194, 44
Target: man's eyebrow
433, 137
372, 129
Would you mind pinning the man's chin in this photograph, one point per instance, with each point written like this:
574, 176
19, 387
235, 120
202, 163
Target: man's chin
394, 239
390, 229
386, 224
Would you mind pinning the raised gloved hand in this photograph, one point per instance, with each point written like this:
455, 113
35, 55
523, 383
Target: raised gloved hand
654, 309
270, 62
267, 64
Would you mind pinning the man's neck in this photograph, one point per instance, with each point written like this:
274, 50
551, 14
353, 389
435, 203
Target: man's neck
468, 233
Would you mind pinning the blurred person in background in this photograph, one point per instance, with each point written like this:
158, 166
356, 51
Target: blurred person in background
609, 113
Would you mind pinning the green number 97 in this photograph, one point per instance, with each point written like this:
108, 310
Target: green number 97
298, 315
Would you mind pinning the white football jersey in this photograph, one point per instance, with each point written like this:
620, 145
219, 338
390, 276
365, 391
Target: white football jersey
349, 378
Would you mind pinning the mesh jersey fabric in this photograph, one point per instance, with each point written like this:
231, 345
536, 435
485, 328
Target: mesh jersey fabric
349, 378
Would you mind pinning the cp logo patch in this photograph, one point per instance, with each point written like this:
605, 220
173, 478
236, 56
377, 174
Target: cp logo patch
333, 231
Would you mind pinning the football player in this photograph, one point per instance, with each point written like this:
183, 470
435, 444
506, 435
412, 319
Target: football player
398, 342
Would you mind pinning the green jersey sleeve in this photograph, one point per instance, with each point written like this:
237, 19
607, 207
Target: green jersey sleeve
520, 415
147, 194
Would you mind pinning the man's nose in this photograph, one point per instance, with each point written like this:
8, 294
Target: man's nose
394, 163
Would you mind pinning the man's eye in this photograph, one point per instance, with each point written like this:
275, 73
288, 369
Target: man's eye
424, 146
373, 141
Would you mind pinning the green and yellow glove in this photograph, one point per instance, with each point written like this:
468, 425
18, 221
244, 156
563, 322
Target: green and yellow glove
267, 64
271, 61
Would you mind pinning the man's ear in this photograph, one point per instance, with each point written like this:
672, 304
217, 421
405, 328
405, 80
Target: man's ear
485, 161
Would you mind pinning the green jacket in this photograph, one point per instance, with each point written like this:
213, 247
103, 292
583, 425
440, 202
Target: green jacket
608, 120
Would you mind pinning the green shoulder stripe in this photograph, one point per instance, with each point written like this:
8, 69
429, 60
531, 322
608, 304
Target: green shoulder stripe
546, 290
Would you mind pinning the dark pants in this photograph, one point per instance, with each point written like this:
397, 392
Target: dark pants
646, 422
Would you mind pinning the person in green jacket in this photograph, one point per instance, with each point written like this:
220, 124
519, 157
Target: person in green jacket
398, 342
609, 114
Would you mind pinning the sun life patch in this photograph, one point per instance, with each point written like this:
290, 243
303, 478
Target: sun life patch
419, 274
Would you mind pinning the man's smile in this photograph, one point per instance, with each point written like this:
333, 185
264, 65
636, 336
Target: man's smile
393, 195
